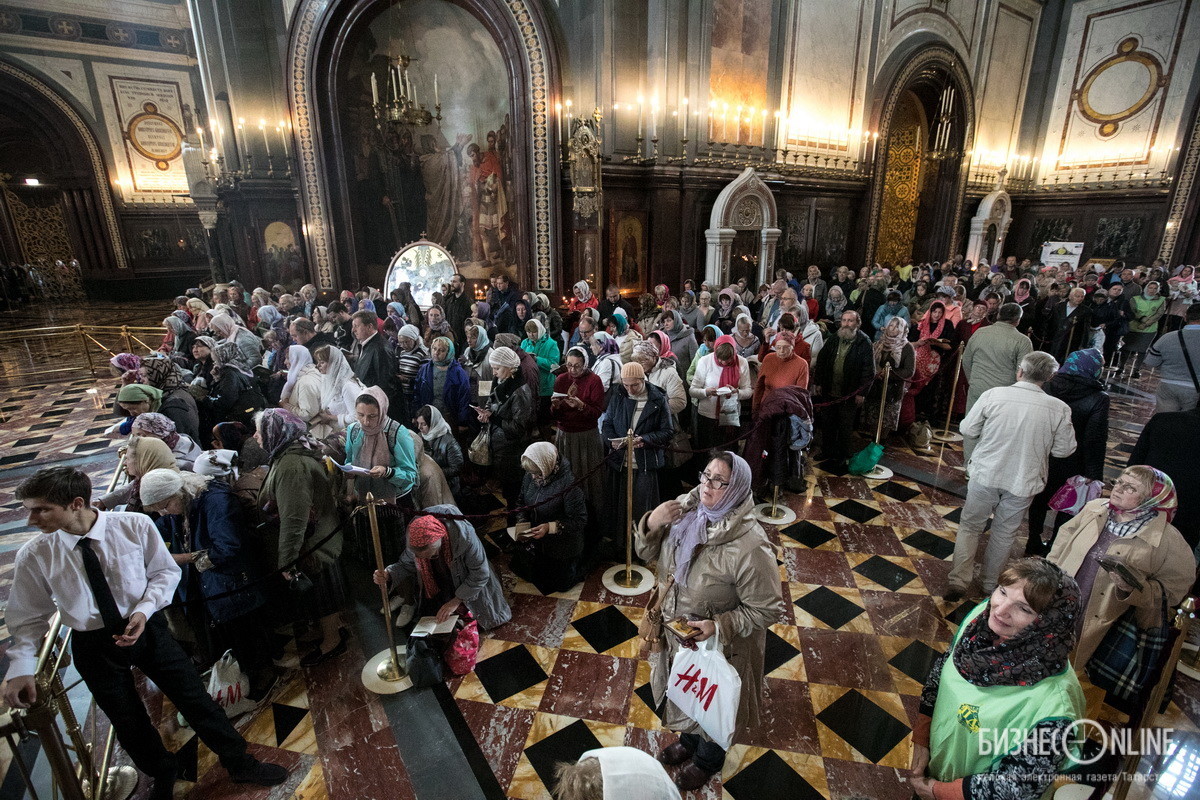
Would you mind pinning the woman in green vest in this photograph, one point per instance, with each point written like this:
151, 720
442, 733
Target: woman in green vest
997, 712
1146, 309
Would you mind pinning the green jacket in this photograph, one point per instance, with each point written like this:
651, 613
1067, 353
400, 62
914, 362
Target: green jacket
545, 351
301, 490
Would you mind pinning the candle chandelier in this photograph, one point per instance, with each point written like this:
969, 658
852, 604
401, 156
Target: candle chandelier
941, 148
399, 103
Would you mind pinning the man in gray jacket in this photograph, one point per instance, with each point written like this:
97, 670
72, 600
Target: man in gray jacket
991, 359
1018, 428
1178, 387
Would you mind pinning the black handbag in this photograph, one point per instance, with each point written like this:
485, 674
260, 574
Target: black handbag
423, 662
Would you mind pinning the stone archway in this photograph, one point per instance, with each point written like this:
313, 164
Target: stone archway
746, 204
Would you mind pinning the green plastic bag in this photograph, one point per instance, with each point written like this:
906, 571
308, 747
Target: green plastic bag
865, 460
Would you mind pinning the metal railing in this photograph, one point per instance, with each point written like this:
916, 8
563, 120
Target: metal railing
34, 353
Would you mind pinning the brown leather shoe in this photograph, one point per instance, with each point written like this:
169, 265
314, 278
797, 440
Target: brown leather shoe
675, 754
691, 778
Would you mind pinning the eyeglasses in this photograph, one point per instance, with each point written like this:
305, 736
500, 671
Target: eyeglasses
715, 483
1126, 486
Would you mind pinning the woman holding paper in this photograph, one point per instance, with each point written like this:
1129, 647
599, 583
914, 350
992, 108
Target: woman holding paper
720, 383
717, 571
549, 554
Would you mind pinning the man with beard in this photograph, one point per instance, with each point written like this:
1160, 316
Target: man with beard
457, 305
844, 364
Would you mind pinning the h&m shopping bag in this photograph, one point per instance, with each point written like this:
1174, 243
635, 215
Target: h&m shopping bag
706, 688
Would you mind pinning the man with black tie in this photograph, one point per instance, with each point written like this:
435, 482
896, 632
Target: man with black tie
110, 575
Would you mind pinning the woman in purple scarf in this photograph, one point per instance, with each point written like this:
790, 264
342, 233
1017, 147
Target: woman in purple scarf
717, 571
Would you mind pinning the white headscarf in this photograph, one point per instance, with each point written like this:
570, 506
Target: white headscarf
298, 359
541, 329
630, 774
334, 379
437, 425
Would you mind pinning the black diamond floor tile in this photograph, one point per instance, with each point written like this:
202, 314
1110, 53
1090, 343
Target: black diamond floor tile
566, 745
58, 412
512, 671
865, 726
837, 468
96, 431
897, 491
20, 458
930, 543
605, 629
29, 441
646, 692
956, 616
852, 509
808, 534
46, 426
829, 607
954, 516
88, 447
779, 652
915, 661
769, 776
286, 718
885, 573
66, 401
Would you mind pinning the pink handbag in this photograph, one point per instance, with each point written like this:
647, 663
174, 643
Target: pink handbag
1073, 495
461, 654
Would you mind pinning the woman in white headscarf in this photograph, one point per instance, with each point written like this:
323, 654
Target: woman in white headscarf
340, 388
550, 554
614, 773
302, 391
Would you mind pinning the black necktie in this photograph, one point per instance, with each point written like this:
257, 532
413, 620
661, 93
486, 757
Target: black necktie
113, 620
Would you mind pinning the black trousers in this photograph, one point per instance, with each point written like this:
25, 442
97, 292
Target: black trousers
106, 669
836, 424
708, 756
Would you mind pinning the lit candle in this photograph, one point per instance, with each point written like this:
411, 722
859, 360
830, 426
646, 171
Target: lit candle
639, 116
762, 131
284, 133
558, 109
437, 101
200, 136
654, 118
684, 102
570, 118
874, 143
374, 90
394, 77
725, 122
262, 128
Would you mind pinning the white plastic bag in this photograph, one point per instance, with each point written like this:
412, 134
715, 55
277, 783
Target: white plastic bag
706, 688
731, 410
229, 687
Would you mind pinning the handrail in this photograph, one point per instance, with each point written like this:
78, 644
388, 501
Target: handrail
31, 356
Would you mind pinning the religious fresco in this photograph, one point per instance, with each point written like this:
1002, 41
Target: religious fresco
282, 258
413, 175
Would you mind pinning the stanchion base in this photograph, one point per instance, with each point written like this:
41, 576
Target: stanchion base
614, 579
121, 784
783, 514
376, 683
878, 473
946, 436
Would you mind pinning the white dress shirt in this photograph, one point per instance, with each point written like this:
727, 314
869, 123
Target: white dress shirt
1019, 427
49, 575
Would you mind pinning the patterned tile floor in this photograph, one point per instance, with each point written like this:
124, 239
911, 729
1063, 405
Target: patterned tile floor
862, 573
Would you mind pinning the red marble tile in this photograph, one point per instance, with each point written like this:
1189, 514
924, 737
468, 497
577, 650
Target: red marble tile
822, 567
913, 515
912, 705
841, 488
788, 617
215, 782
536, 620
934, 574
851, 779
840, 658
815, 509
500, 732
944, 498
911, 616
860, 538
593, 591
590, 686
787, 721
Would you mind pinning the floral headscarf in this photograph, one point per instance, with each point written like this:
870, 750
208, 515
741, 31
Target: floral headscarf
227, 354
279, 429
1161, 498
422, 532
1036, 653
608, 344
1083, 364
157, 425
892, 344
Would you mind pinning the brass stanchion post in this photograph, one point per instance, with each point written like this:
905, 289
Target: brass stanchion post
87, 351
629, 579
945, 434
128, 339
887, 374
391, 669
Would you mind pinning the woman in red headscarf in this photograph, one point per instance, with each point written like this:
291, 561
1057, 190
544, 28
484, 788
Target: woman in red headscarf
931, 338
447, 559
720, 383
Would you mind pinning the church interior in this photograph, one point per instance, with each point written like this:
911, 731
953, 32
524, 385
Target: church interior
151, 146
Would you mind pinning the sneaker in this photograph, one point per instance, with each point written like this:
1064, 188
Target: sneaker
259, 772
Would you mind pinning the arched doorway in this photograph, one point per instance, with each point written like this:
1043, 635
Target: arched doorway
377, 172
54, 202
926, 122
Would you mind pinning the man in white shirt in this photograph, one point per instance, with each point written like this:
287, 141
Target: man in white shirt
1017, 428
110, 575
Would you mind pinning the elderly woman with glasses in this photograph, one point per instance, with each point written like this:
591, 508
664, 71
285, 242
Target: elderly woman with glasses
1131, 528
717, 571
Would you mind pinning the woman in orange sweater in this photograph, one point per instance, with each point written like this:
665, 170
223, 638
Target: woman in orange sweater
780, 368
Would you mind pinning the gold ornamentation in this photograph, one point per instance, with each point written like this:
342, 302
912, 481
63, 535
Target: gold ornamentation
1184, 186
99, 170
901, 191
154, 136
584, 157
41, 230
1127, 53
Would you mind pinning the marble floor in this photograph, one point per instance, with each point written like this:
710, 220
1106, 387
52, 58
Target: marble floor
862, 573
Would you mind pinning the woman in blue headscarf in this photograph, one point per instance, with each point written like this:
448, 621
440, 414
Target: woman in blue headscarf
1077, 383
716, 570
443, 383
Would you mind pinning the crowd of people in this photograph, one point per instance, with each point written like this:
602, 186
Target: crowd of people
266, 417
